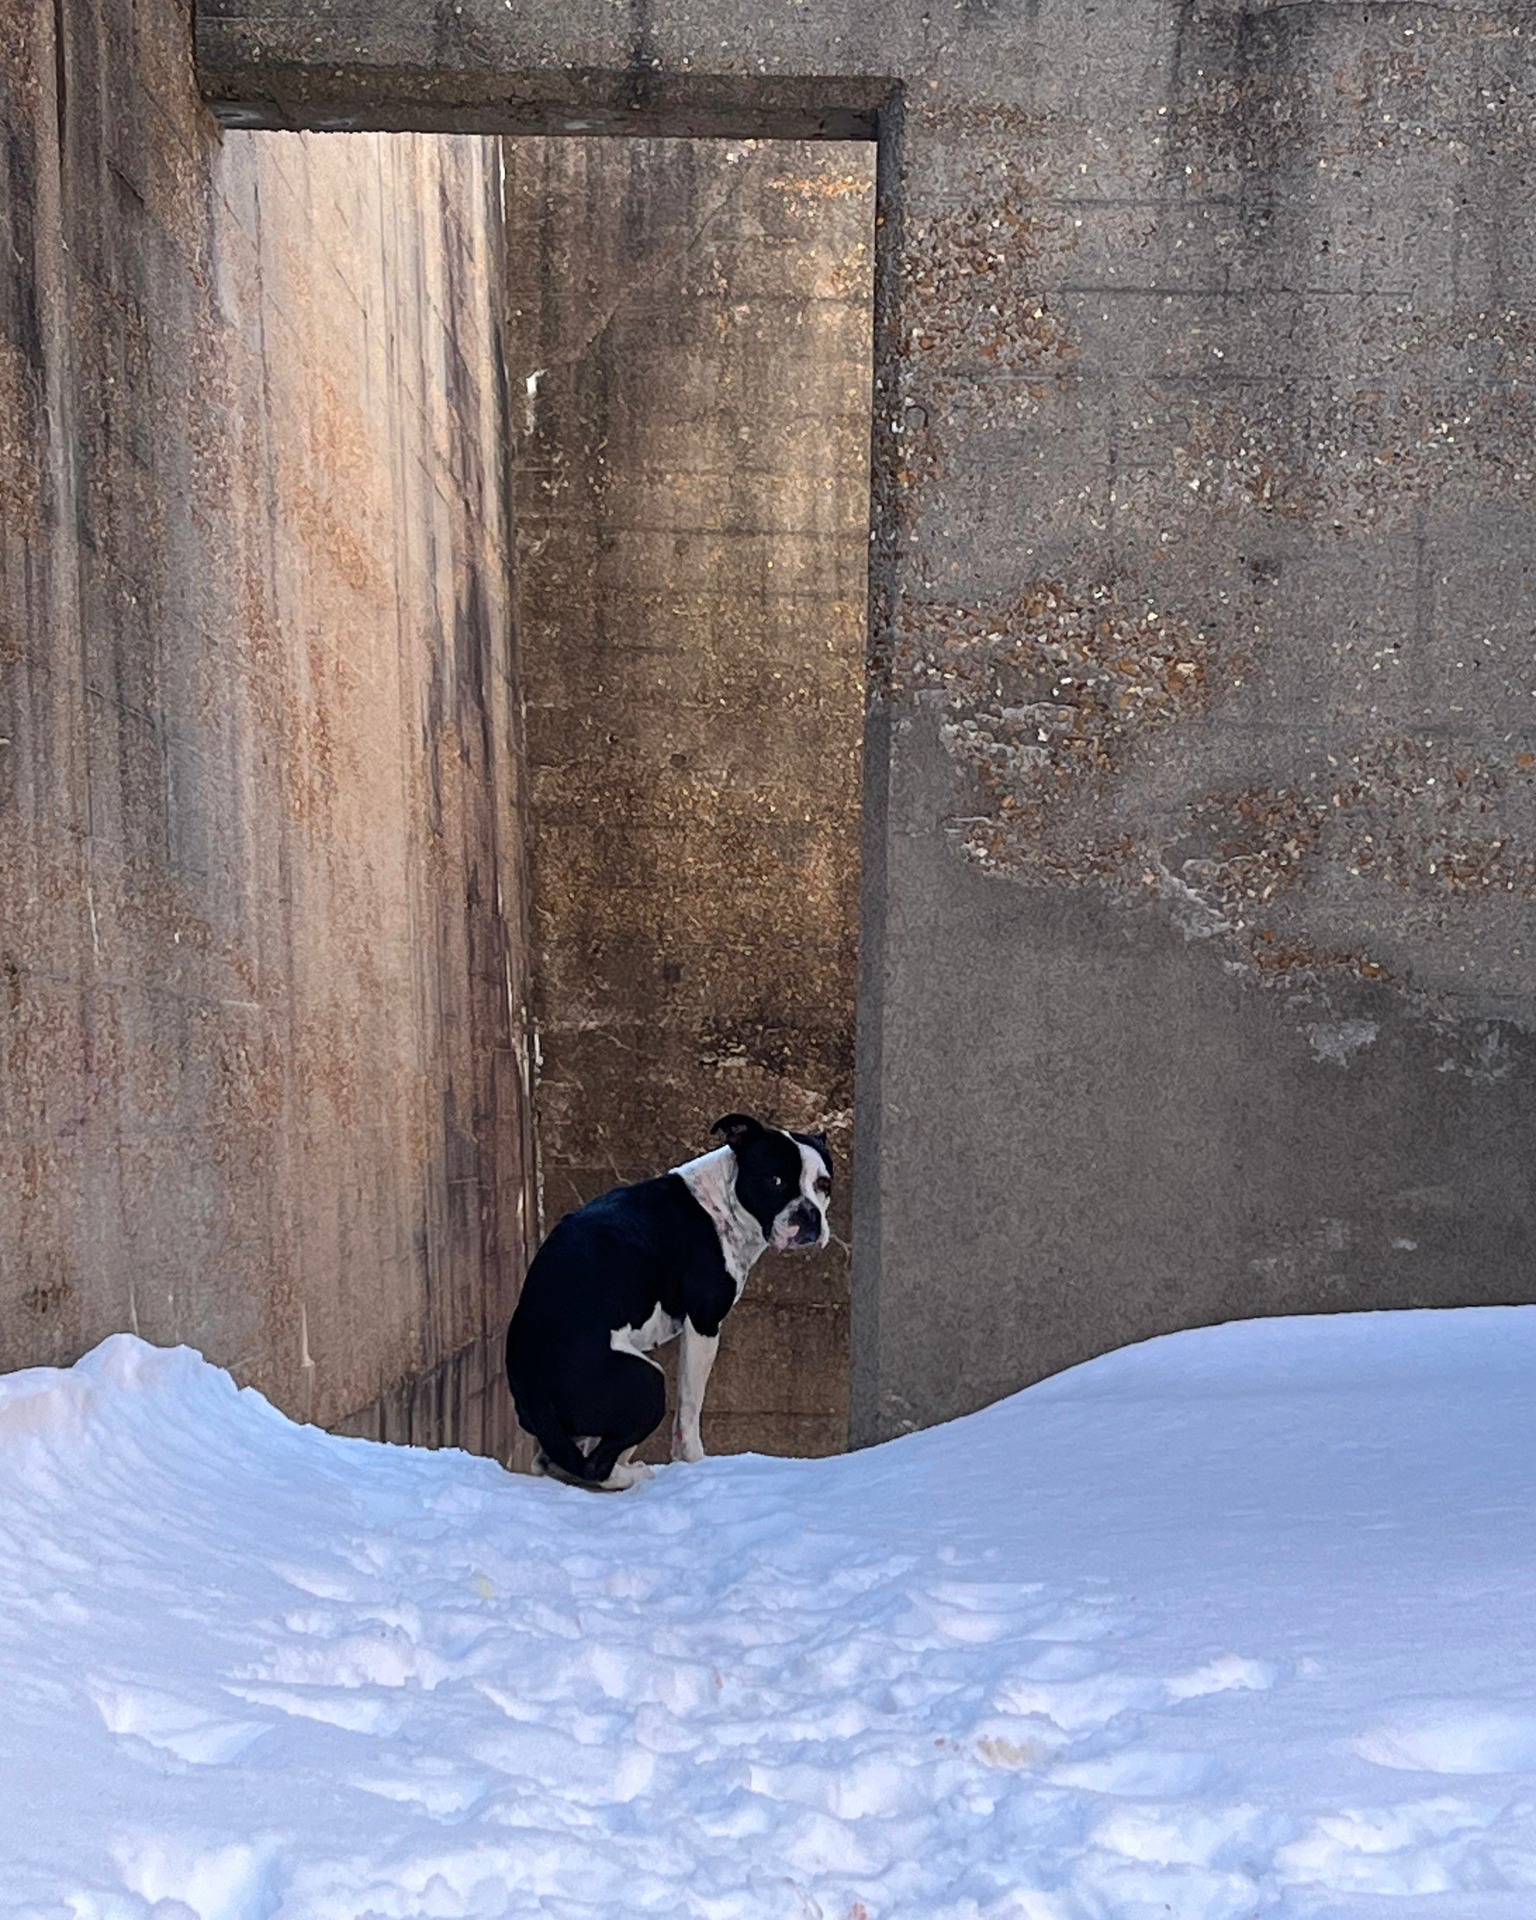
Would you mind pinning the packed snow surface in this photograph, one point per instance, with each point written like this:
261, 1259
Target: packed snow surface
1239, 1622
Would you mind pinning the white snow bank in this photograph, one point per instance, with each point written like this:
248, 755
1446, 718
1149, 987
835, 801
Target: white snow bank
1236, 1623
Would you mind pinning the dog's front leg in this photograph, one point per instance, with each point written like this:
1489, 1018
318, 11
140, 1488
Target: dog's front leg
696, 1357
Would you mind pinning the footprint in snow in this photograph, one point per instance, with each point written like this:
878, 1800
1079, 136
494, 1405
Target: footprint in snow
1227, 1673
321, 1583
1190, 1833
445, 1792
1417, 1847
354, 1709
171, 1724
1141, 1773
1065, 1660
1078, 1706
379, 1655
1456, 1739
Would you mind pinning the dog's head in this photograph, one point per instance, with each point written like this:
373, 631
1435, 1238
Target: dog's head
784, 1180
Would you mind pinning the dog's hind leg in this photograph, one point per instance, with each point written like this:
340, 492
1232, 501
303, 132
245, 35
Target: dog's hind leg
558, 1455
634, 1401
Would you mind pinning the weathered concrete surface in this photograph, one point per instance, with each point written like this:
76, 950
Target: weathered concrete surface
690, 326
260, 955
1197, 934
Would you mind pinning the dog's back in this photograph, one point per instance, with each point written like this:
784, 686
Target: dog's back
636, 1258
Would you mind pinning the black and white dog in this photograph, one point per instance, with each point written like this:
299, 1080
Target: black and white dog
635, 1267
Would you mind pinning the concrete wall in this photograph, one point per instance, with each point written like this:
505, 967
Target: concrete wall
1199, 976
1209, 982
260, 948
693, 525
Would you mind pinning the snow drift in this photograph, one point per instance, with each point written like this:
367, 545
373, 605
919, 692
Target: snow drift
1235, 1623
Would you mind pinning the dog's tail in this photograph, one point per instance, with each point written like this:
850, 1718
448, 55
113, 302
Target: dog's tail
536, 1415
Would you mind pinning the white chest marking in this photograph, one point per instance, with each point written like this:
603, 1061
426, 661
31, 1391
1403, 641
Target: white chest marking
711, 1179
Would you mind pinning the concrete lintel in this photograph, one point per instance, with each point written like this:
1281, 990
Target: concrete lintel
298, 98
484, 68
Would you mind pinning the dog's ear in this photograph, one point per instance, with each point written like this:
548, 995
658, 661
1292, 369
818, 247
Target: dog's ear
738, 1129
819, 1142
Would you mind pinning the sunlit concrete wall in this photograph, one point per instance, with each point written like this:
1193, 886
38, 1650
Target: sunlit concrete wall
689, 335
261, 1071
1198, 970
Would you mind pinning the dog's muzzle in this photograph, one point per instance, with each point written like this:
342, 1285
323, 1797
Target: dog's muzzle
803, 1226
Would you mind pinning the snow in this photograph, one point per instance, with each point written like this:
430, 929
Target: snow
1238, 1622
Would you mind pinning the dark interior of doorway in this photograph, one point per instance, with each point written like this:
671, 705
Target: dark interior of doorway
689, 331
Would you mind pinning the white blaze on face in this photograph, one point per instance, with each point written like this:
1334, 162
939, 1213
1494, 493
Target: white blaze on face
816, 1190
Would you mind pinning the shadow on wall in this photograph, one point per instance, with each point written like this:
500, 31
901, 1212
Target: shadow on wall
690, 323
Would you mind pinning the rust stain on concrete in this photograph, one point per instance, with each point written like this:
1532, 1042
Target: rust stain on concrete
974, 281
1043, 697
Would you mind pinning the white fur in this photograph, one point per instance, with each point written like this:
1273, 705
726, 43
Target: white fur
626, 1473
813, 1169
711, 1179
695, 1358
656, 1332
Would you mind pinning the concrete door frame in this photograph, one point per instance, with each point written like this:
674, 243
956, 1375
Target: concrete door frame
294, 96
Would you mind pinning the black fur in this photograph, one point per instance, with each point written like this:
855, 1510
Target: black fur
613, 1263
610, 1264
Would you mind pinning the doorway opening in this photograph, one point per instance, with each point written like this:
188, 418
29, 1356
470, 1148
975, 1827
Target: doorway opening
689, 332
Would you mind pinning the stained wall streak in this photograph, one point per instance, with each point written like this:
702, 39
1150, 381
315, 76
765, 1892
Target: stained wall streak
261, 1086
690, 331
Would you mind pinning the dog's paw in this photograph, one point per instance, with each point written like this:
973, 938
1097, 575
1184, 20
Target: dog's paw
686, 1449
624, 1477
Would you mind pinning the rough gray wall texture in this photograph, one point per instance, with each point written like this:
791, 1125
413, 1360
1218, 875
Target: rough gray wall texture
1201, 850
258, 900
693, 528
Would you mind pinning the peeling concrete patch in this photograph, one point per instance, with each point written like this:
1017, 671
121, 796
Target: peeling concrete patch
1191, 912
975, 280
1359, 460
1042, 698
1260, 840
1339, 1041
1487, 1056
1049, 706
1413, 814
1423, 816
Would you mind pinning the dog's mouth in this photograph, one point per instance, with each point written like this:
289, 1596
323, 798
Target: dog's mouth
798, 1231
